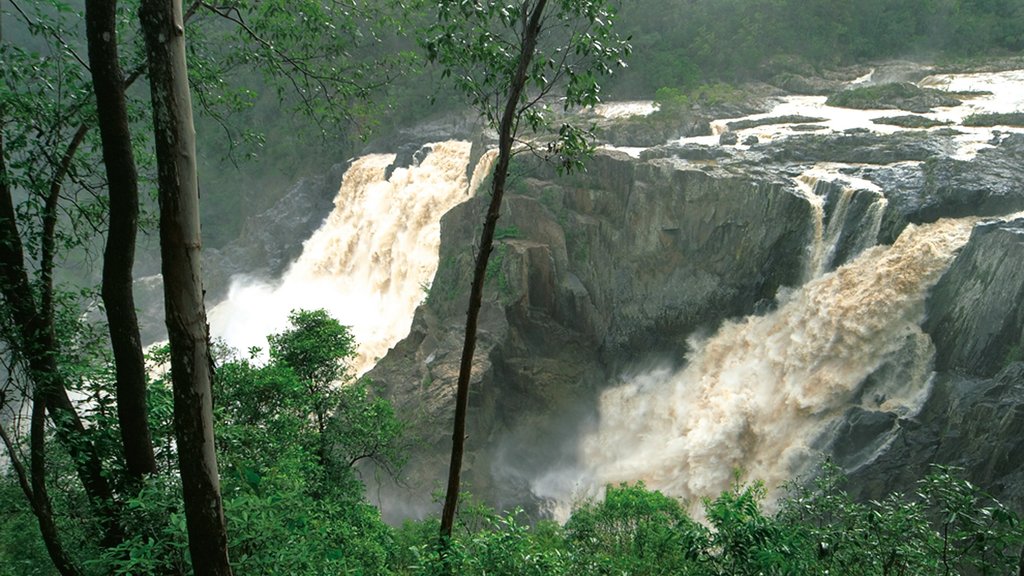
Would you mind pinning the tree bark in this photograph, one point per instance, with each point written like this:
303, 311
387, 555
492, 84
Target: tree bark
191, 368
119, 255
506, 136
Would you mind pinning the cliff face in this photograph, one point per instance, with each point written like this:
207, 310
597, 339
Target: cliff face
974, 417
591, 272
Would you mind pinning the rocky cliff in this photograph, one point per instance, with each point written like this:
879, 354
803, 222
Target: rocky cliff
588, 271
623, 265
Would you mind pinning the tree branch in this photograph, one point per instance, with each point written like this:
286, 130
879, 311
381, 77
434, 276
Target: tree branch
36, 24
50, 222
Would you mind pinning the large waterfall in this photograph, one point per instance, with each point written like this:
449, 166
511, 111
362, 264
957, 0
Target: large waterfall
369, 264
758, 393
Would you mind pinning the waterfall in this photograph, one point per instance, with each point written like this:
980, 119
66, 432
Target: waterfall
757, 394
370, 262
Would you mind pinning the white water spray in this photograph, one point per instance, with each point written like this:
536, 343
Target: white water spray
759, 392
369, 263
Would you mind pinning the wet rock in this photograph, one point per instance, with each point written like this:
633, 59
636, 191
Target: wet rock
944, 187
632, 255
655, 129
975, 312
728, 139
774, 120
271, 240
909, 121
860, 148
976, 424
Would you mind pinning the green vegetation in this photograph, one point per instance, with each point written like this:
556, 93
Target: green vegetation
293, 513
910, 121
902, 95
948, 527
990, 120
685, 44
288, 444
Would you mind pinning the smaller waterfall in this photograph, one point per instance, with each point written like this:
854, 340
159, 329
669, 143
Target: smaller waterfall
370, 262
844, 227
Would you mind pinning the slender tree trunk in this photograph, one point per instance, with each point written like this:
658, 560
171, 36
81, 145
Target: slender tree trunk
38, 498
191, 368
37, 344
506, 135
119, 256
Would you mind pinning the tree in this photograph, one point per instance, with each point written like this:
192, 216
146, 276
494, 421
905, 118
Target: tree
52, 200
42, 117
507, 58
119, 256
316, 348
185, 313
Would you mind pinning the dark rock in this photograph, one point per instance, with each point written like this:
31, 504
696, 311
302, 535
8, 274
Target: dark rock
271, 240
860, 435
750, 140
972, 423
909, 121
728, 139
860, 148
774, 120
655, 129
989, 120
853, 216
976, 311
944, 187
808, 127
692, 152
406, 156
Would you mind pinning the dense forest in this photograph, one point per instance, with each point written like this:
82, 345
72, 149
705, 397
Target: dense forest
109, 464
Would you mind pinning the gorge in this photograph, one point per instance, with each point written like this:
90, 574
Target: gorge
827, 285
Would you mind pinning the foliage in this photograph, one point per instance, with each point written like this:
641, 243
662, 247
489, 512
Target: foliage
315, 347
502, 546
948, 527
683, 44
995, 119
478, 47
903, 95
289, 510
634, 531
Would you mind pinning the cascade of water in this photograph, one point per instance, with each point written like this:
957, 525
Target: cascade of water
369, 263
805, 185
756, 394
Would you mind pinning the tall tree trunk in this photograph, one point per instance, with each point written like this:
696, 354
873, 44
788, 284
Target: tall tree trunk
191, 368
119, 255
506, 136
